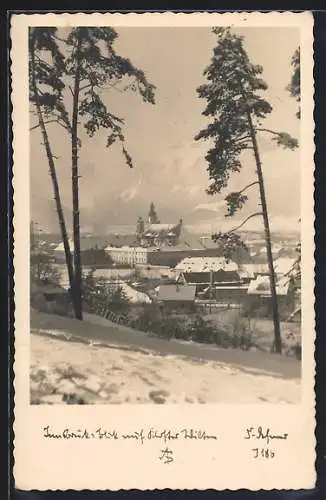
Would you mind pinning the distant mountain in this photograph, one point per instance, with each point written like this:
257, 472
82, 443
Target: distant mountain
176, 183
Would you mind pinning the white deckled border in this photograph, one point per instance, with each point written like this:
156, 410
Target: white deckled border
43, 465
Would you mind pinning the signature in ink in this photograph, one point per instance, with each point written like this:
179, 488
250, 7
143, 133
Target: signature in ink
166, 456
265, 435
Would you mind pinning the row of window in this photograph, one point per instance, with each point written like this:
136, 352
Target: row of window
129, 257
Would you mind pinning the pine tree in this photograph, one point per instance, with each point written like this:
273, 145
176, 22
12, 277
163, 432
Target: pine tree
46, 66
294, 88
93, 66
90, 65
236, 108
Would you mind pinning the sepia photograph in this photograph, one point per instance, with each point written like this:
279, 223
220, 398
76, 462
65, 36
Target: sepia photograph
163, 178
165, 212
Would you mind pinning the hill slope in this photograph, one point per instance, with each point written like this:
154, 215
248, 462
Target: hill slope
131, 372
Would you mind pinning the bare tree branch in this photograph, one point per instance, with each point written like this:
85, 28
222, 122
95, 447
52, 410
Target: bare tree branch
296, 263
57, 120
248, 186
246, 220
45, 123
86, 86
268, 131
245, 137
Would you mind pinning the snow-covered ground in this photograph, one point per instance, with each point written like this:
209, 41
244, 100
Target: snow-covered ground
125, 374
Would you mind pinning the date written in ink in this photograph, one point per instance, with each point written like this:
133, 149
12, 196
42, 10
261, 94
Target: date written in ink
263, 453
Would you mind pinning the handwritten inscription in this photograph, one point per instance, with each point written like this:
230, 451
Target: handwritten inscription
261, 451
266, 436
140, 436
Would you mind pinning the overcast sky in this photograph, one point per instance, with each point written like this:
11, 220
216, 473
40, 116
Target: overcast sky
170, 168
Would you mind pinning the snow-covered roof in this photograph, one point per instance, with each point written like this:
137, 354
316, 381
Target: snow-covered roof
126, 248
261, 286
156, 228
134, 296
204, 264
250, 270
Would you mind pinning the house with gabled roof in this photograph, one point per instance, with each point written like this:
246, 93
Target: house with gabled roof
176, 297
215, 279
259, 295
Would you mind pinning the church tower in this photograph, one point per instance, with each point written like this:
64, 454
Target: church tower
152, 215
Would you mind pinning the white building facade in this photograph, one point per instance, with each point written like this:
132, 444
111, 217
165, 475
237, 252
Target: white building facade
127, 255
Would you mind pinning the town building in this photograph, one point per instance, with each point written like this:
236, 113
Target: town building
219, 287
216, 280
206, 264
171, 256
158, 235
259, 296
154, 233
127, 255
208, 273
175, 297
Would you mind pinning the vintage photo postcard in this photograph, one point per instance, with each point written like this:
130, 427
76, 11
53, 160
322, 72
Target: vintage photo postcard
163, 251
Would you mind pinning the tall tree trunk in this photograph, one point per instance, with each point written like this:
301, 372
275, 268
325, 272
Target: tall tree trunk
53, 174
75, 187
276, 317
